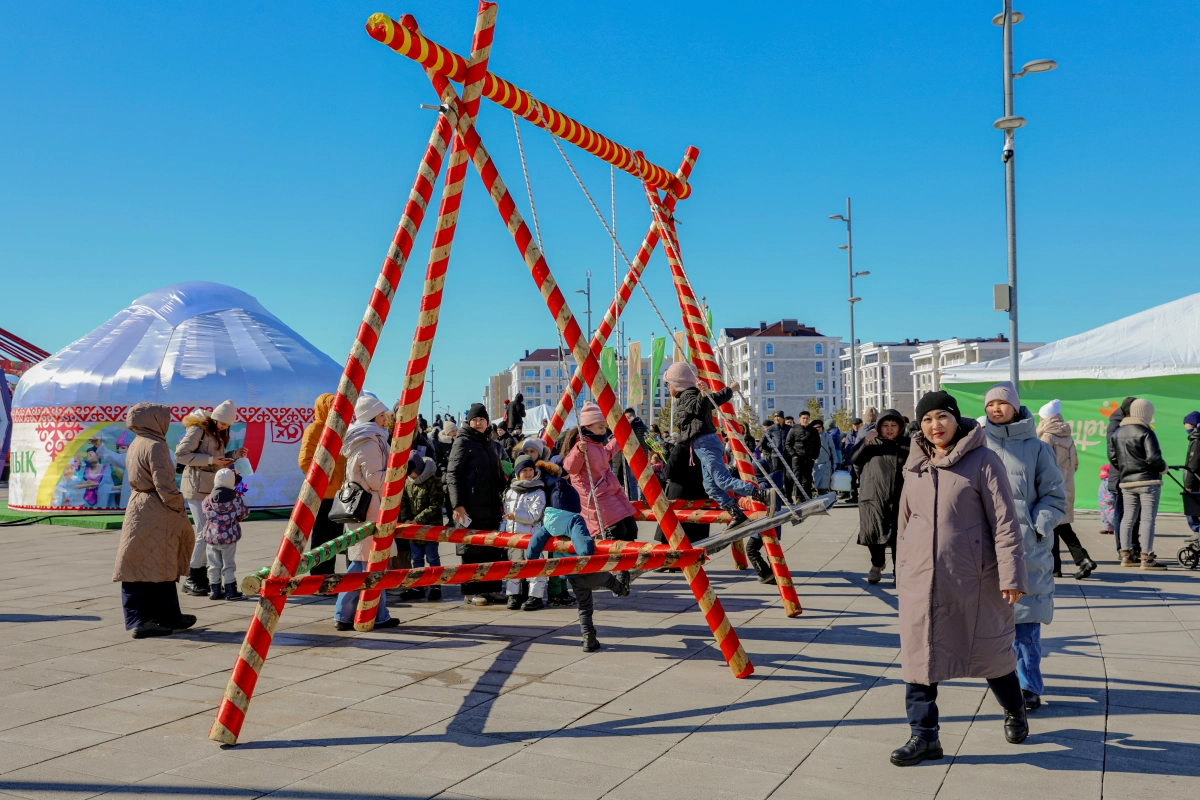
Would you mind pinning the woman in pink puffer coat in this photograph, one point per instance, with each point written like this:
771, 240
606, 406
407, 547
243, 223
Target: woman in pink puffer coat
615, 510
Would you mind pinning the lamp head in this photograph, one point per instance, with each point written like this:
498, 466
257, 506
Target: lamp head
1008, 123
843, 247
1039, 65
837, 216
998, 20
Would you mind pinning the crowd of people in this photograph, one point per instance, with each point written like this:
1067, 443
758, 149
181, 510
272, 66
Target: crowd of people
973, 513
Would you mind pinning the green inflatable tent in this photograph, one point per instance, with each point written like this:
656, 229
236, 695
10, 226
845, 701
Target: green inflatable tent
1153, 354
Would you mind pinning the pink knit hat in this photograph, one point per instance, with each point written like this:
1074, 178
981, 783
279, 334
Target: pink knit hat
590, 414
681, 375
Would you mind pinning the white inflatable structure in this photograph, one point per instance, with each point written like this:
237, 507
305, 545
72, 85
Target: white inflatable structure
190, 345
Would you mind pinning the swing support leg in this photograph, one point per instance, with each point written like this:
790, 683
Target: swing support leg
706, 365
714, 613
427, 322
231, 714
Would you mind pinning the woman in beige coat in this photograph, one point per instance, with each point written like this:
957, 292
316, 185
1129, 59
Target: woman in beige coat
156, 537
366, 450
959, 569
201, 452
1054, 431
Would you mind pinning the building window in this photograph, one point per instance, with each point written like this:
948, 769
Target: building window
547, 403
770, 402
820, 386
820, 366
871, 359
549, 388
531, 389
817, 349
820, 402
770, 386
770, 365
768, 349
833, 385
558, 373
530, 373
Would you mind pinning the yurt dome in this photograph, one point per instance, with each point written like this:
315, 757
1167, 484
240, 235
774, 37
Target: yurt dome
190, 345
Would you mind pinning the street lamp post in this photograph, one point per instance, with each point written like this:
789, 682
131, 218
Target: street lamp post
588, 293
851, 274
1009, 124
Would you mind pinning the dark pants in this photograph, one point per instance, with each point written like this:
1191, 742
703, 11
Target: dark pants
473, 554
804, 473
1079, 553
921, 703
323, 531
754, 546
144, 602
624, 530
584, 585
879, 554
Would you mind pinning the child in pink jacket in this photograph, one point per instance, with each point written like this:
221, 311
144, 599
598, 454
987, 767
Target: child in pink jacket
615, 511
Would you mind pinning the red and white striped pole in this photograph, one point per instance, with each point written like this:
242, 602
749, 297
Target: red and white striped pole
232, 711
714, 613
427, 322
706, 365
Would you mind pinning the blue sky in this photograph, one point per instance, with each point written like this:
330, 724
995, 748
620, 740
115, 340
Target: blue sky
271, 146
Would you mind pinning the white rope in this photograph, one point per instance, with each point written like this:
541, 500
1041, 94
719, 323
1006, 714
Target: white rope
561, 361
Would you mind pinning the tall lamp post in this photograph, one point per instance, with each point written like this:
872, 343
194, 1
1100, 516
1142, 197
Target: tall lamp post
1007, 301
588, 293
851, 274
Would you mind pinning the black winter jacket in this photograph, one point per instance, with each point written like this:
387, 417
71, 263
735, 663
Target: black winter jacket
694, 412
474, 479
802, 445
881, 469
514, 415
1191, 477
1134, 449
775, 435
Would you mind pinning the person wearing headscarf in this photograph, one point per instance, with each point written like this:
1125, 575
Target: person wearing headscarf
960, 568
880, 457
1037, 487
1140, 467
156, 538
1054, 431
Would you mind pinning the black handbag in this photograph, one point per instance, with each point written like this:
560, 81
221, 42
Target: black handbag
351, 504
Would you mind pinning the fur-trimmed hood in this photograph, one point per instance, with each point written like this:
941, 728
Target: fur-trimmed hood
428, 469
549, 468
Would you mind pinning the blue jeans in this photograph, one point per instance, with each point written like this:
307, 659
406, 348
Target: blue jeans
718, 482
1028, 645
424, 553
347, 602
581, 540
1141, 503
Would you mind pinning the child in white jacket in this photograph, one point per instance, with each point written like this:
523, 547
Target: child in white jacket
524, 504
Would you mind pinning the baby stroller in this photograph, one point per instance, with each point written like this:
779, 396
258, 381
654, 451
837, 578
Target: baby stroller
1189, 555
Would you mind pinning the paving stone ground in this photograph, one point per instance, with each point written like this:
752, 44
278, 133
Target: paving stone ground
485, 703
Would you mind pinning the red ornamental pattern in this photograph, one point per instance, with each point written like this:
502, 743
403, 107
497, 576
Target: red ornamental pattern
58, 425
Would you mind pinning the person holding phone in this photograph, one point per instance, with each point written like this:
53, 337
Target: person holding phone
203, 450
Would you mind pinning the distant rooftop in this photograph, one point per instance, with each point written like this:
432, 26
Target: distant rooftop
785, 327
548, 354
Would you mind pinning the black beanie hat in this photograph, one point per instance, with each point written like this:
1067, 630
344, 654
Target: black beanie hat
523, 462
938, 401
477, 410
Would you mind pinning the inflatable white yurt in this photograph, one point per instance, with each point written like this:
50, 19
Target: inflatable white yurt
190, 345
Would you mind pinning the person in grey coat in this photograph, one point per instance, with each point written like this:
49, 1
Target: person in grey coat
1041, 498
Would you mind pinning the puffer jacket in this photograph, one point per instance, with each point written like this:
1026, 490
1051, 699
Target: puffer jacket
1041, 501
365, 448
474, 479
694, 412
560, 493
312, 437
881, 465
610, 497
774, 440
423, 497
825, 461
224, 511
1055, 432
197, 451
526, 501
1134, 450
803, 445
1191, 476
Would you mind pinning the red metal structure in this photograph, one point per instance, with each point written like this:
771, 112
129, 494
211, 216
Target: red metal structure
455, 129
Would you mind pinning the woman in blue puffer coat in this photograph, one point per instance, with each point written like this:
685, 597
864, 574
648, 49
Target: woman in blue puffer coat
1041, 500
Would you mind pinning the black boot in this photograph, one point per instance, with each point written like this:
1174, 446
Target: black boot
916, 751
196, 583
590, 643
736, 518
1086, 568
1016, 725
408, 595
761, 567
1032, 701
231, 591
435, 594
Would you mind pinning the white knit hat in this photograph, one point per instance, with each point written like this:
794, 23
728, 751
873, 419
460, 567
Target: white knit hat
226, 412
225, 479
368, 408
1050, 409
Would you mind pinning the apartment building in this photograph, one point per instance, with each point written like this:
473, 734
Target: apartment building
931, 357
497, 393
541, 377
781, 366
883, 375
